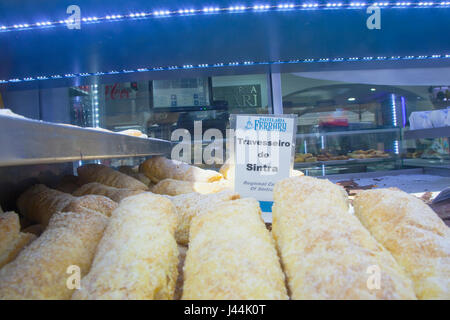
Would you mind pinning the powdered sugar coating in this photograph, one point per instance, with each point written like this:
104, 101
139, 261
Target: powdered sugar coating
417, 238
138, 255
325, 251
39, 271
231, 255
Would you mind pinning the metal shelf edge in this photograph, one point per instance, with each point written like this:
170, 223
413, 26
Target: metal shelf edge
26, 141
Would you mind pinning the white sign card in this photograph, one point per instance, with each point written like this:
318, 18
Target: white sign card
264, 148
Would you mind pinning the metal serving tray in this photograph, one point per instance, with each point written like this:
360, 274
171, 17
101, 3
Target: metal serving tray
26, 141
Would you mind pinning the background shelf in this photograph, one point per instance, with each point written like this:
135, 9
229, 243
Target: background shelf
427, 133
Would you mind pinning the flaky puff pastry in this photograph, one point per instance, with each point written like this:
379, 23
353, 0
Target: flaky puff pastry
91, 202
160, 168
187, 206
173, 187
130, 171
114, 194
68, 184
39, 203
137, 257
417, 238
12, 241
108, 176
325, 251
231, 255
40, 270
9, 228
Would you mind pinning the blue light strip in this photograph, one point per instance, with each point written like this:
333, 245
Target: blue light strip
236, 8
223, 65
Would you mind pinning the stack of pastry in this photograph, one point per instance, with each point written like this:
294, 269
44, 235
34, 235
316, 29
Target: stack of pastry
327, 156
127, 243
367, 154
305, 157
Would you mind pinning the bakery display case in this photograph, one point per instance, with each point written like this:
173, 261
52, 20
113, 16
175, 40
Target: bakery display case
326, 153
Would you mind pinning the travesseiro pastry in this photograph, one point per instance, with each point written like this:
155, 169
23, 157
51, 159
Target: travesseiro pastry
417, 238
325, 251
108, 176
134, 173
115, 194
137, 257
39, 203
231, 255
42, 270
160, 168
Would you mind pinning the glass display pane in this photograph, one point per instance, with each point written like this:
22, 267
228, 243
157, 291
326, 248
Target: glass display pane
348, 127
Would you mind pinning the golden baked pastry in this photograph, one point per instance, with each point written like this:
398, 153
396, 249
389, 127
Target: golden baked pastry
173, 187
91, 202
68, 184
40, 270
115, 194
134, 173
137, 257
231, 255
417, 238
12, 241
108, 176
160, 168
189, 205
39, 203
325, 251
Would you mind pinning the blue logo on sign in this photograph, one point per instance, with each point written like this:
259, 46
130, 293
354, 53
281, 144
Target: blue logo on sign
267, 124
